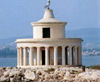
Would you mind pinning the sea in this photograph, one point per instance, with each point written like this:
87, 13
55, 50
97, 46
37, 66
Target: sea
86, 60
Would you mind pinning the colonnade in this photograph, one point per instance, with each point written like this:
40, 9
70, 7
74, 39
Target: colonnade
73, 60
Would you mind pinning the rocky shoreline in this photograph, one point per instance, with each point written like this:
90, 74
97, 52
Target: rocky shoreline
61, 74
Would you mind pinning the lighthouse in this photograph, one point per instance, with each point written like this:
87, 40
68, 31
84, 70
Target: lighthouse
49, 46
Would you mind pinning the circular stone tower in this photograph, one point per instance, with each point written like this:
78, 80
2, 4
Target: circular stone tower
49, 47
49, 27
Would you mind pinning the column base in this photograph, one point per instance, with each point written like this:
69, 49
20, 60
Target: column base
45, 66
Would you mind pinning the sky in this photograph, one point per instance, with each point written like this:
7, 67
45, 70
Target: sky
16, 15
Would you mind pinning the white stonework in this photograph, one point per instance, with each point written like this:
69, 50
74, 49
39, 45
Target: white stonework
53, 50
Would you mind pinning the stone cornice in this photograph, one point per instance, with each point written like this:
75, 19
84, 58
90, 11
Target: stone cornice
47, 23
48, 40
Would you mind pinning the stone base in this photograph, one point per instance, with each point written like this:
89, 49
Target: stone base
44, 66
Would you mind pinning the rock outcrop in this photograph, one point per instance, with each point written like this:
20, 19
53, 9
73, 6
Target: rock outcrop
61, 74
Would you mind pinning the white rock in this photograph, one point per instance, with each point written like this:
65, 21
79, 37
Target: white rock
15, 69
8, 68
11, 79
56, 71
63, 72
88, 75
67, 73
55, 75
40, 80
51, 80
51, 75
66, 76
95, 76
55, 80
30, 75
82, 75
12, 73
51, 72
45, 69
1, 71
44, 73
40, 72
6, 73
41, 77
2, 78
60, 76
47, 77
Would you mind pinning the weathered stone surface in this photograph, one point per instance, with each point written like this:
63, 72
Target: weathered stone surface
67, 76
40, 72
95, 75
41, 77
30, 75
8, 68
11, 79
90, 75
1, 71
6, 73
3, 78
13, 73
62, 74
56, 71
47, 76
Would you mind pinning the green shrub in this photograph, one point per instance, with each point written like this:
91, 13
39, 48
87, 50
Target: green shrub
50, 70
94, 67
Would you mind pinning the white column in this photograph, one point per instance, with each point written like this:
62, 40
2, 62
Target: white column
55, 56
46, 56
25, 56
21, 56
35, 56
80, 55
75, 57
70, 55
38, 55
18, 56
63, 55
31, 56
51, 54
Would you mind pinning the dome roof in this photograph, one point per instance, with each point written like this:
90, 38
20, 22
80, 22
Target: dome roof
49, 20
49, 16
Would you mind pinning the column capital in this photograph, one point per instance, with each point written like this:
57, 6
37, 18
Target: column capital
30, 47
76, 46
79, 46
18, 47
55, 46
70, 46
24, 47
21, 47
47, 47
38, 47
63, 46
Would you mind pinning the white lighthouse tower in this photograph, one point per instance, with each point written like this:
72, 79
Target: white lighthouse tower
49, 47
